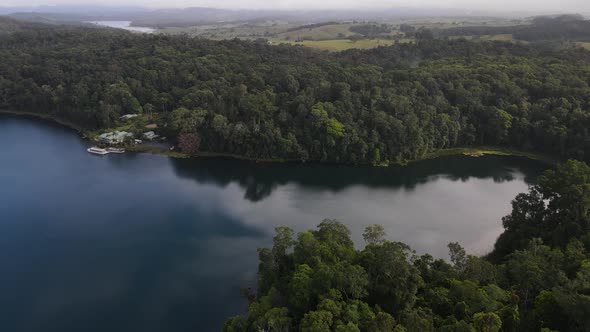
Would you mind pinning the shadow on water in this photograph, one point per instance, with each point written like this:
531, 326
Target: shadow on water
259, 179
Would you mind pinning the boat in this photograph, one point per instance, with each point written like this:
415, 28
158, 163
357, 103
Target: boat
99, 151
115, 150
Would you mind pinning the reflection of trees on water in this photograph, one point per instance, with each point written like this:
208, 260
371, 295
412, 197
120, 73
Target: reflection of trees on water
259, 180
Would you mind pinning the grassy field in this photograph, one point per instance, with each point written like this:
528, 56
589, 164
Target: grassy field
504, 37
337, 45
325, 32
497, 151
585, 45
233, 30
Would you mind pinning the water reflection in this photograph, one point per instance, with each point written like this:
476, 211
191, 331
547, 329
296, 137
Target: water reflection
427, 204
260, 179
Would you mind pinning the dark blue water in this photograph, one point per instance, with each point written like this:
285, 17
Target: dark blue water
141, 242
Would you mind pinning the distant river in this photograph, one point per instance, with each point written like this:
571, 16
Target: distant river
140, 242
126, 25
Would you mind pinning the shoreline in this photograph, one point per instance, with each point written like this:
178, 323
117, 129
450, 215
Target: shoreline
48, 117
475, 152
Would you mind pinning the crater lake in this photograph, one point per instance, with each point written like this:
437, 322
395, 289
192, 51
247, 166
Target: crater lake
142, 242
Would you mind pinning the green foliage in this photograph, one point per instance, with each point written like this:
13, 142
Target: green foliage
487, 322
183, 120
374, 234
555, 210
335, 128
574, 298
316, 321
390, 104
394, 281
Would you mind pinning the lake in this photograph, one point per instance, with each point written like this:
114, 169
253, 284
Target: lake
140, 242
126, 25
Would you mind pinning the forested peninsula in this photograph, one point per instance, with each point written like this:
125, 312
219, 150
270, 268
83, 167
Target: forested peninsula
281, 102
537, 278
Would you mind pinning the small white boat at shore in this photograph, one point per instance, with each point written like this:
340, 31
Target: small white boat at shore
102, 152
115, 150
99, 151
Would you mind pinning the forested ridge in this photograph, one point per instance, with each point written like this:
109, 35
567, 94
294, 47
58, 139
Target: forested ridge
390, 104
543, 28
537, 278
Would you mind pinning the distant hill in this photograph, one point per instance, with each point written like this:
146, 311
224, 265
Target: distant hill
10, 25
72, 14
74, 9
183, 17
192, 16
201, 15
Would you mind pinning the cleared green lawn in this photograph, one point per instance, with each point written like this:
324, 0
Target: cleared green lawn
337, 45
504, 37
498, 151
324, 32
585, 45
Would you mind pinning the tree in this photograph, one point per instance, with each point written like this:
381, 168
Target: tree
574, 299
355, 282
282, 242
301, 289
534, 269
555, 210
235, 324
393, 281
383, 322
487, 322
547, 312
189, 143
458, 256
417, 320
334, 128
374, 234
183, 120
316, 321
350, 327
277, 319
567, 188
330, 230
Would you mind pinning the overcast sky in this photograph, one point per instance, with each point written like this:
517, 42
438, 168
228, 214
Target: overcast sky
493, 5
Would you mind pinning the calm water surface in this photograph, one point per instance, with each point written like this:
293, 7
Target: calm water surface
125, 25
140, 242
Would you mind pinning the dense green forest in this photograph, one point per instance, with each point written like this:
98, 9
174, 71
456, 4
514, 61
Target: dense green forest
390, 104
536, 279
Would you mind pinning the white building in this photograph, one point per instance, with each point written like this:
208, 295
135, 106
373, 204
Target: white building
150, 135
114, 137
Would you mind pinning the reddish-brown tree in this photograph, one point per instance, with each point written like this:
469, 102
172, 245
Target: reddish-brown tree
189, 143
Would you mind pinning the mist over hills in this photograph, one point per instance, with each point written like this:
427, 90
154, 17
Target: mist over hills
203, 15
72, 13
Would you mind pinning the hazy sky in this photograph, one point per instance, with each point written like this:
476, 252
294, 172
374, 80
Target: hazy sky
494, 5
